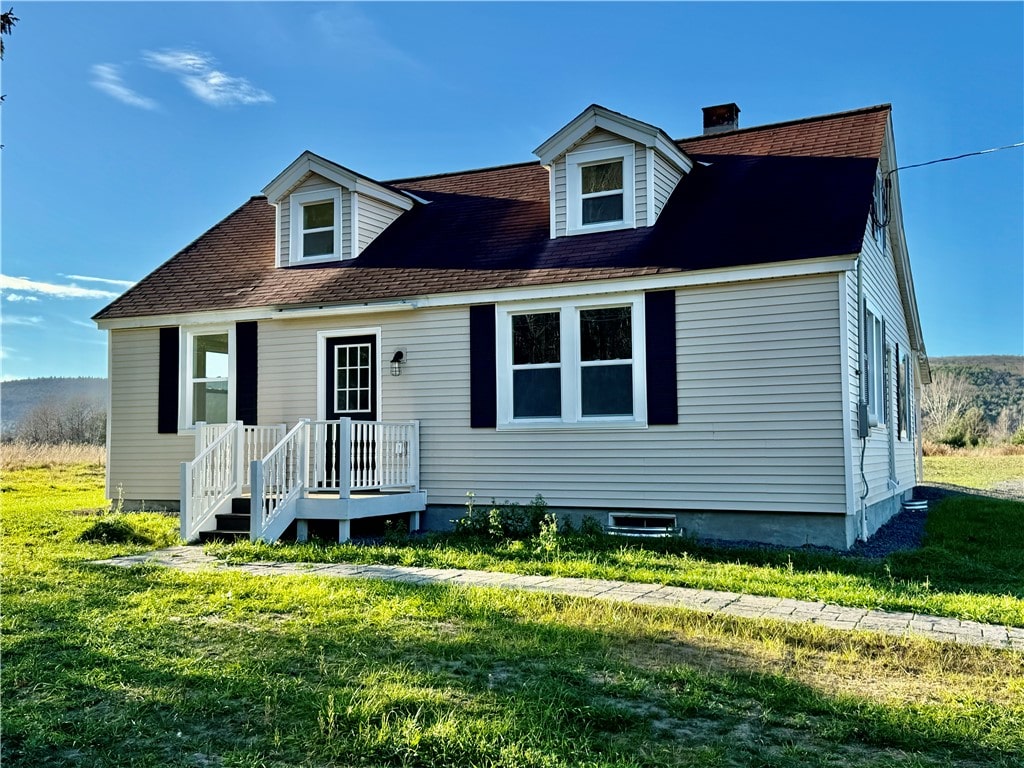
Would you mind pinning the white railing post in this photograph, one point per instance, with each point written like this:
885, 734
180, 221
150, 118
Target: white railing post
239, 472
186, 499
414, 456
256, 502
344, 451
199, 437
303, 468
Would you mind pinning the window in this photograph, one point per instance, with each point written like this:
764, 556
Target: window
905, 398
571, 364
601, 192
606, 362
209, 386
315, 226
536, 366
599, 189
874, 366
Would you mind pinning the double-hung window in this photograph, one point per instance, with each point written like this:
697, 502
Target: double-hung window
209, 385
574, 364
315, 226
600, 189
874, 363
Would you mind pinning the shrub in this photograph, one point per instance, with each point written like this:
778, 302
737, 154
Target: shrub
499, 522
116, 529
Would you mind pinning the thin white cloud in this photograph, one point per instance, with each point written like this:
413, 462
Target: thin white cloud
82, 323
107, 280
198, 73
21, 320
21, 297
107, 78
9, 283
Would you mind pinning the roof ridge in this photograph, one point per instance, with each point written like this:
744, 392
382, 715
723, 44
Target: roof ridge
784, 123
484, 169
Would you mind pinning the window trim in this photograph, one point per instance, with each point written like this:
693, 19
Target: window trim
187, 422
571, 364
874, 361
574, 163
297, 201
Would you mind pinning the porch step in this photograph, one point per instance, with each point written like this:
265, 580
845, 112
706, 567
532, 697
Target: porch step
231, 526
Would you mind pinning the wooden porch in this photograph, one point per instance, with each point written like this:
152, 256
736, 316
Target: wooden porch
339, 470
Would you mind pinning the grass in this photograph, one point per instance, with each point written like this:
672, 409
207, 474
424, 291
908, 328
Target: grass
969, 567
972, 470
19, 455
154, 667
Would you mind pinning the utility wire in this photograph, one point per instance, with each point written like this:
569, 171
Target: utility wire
957, 157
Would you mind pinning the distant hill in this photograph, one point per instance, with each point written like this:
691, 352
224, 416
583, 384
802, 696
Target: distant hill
998, 379
20, 396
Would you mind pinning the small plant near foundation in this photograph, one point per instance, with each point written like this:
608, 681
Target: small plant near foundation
547, 540
508, 521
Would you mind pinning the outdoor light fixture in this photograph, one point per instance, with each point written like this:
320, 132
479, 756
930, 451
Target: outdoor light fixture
396, 362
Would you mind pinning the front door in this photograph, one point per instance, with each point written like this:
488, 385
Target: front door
351, 391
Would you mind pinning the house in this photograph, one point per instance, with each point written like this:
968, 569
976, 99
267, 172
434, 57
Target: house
716, 334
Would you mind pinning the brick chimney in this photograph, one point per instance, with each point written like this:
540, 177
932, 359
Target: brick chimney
721, 118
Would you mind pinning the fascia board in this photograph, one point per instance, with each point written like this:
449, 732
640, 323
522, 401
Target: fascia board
899, 240
591, 118
309, 162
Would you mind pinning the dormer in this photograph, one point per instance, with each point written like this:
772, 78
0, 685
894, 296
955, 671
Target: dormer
608, 171
328, 213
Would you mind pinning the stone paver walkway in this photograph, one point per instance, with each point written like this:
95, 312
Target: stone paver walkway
729, 603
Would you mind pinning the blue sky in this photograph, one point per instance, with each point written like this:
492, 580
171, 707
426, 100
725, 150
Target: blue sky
130, 129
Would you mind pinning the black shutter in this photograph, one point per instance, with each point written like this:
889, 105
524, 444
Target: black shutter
483, 373
246, 365
660, 321
167, 383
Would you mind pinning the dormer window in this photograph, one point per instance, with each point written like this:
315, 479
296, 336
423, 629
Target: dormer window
316, 225
600, 189
318, 229
601, 192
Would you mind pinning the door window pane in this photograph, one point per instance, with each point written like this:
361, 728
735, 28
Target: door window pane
535, 339
353, 379
537, 393
607, 390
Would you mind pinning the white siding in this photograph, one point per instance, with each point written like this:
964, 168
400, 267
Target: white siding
665, 179
760, 404
881, 289
760, 409
559, 192
142, 464
373, 217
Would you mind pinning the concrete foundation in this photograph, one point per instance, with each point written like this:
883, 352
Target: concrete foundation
791, 529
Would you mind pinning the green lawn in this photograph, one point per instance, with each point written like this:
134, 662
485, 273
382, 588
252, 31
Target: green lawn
154, 667
973, 471
970, 567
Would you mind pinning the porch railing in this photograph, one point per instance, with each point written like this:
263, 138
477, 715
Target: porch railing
364, 456
277, 481
209, 481
258, 440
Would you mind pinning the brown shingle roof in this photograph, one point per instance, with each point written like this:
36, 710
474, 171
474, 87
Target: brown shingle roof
489, 228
